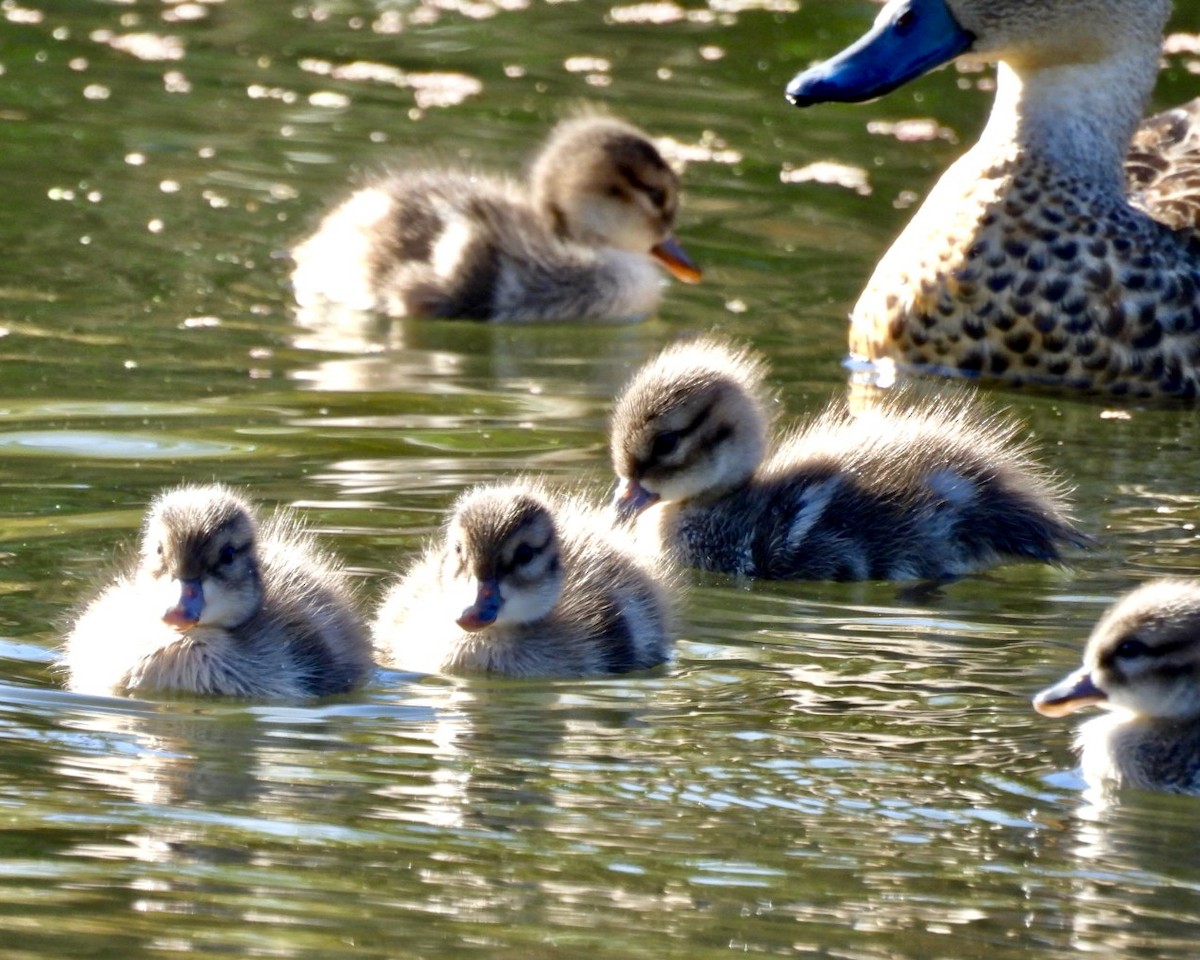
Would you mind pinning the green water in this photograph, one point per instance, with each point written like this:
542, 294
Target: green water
823, 770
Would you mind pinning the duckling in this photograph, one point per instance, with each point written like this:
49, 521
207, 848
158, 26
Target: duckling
525, 583
577, 243
1141, 664
928, 491
1051, 252
219, 603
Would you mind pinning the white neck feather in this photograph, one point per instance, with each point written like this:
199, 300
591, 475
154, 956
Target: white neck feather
1078, 118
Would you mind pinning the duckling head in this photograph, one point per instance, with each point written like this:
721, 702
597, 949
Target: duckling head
692, 422
502, 546
1143, 657
601, 182
198, 543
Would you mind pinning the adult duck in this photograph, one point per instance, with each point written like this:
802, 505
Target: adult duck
1062, 248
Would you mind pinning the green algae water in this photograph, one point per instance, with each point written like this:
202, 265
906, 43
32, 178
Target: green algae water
828, 770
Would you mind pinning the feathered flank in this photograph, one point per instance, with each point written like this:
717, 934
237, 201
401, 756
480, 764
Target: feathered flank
218, 602
909, 490
525, 582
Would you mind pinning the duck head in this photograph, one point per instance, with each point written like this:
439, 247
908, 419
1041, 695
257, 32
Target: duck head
691, 422
1143, 657
502, 548
912, 37
198, 547
601, 182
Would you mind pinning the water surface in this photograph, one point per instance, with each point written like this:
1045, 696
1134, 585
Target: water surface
823, 770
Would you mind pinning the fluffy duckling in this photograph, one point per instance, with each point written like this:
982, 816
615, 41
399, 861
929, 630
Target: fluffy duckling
523, 584
219, 603
577, 243
1141, 664
899, 493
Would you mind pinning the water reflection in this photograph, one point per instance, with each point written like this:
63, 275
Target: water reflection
823, 768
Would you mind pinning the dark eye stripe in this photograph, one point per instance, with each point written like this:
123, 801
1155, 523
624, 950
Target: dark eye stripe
682, 433
536, 550
657, 195
222, 568
1155, 652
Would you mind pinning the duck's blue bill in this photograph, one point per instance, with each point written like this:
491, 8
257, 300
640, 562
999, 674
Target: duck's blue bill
910, 38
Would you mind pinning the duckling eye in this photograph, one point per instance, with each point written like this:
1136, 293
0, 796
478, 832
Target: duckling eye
665, 444
657, 196
1131, 649
226, 554
159, 549
522, 555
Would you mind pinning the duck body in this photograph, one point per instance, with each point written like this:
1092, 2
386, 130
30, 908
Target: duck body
1141, 665
579, 242
525, 583
1061, 249
219, 603
903, 492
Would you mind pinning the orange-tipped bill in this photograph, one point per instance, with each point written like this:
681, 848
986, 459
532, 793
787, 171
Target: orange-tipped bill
482, 613
672, 256
631, 499
1068, 695
186, 613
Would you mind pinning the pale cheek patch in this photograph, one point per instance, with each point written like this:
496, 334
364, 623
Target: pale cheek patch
618, 228
1164, 697
224, 607
527, 604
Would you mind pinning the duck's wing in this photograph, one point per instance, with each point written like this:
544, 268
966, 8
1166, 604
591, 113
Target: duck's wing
1163, 167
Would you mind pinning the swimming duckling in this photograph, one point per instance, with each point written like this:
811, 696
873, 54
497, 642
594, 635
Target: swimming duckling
219, 603
524, 583
903, 492
575, 244
1142, 665
1053, 251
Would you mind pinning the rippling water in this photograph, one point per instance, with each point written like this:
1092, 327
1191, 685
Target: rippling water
824, 769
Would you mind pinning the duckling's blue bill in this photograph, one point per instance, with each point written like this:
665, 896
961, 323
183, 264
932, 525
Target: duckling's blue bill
186, 613
909, 38
672, 256
631, 499
483, 612
1068, 695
